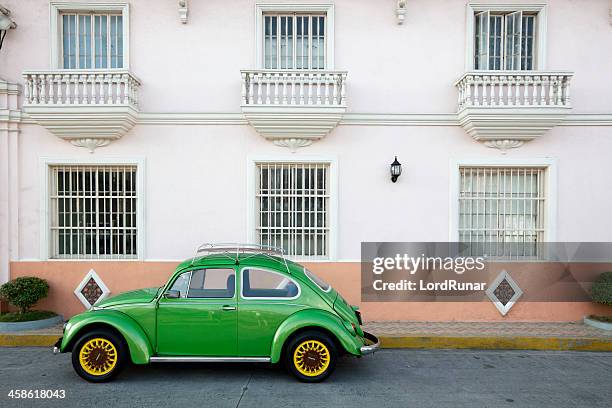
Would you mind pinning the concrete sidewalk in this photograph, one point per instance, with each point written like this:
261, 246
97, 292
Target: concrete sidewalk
432, 335
492, 335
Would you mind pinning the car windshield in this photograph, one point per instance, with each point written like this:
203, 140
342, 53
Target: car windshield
324, 286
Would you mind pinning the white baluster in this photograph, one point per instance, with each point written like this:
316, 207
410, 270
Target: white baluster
125, 79
243, 88
534, 97
43, 89
335, 79
268, 93
550, 100
259, 88
276, 89
250, 96
310, 85
545, 80
566, 91
468, 90
342, 89
284, 79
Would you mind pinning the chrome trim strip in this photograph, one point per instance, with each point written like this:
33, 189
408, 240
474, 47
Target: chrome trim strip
371, 348
209, 359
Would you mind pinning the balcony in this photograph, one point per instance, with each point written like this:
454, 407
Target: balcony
504, 109
293, 108
88, 108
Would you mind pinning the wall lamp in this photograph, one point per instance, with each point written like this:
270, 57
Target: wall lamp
396, 170
5, 23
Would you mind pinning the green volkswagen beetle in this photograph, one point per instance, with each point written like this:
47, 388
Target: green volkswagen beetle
226, 304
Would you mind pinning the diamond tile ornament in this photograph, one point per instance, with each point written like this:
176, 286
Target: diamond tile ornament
504, 292
91, 290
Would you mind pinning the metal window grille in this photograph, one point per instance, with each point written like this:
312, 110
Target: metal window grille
93, 212
501, 210
293, 207
504, 41
92, 40
294, 41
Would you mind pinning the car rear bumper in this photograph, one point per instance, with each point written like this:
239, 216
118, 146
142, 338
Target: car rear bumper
370, 348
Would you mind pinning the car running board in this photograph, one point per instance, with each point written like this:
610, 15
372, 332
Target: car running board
209, 359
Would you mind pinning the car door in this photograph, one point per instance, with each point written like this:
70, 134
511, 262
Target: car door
202, 320
267, 298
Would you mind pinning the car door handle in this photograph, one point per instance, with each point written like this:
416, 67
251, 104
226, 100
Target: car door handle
228, 307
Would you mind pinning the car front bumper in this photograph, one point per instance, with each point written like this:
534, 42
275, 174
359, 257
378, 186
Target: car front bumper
57, 345
370, 348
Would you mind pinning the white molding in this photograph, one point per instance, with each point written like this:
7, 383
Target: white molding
251, 168
327, 8
551, 185
541, 24
55, 7
46, 162
348, 119
105, 290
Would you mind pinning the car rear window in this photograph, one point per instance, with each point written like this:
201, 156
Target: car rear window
324, 286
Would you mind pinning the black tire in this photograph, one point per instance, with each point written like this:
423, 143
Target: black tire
97, 343
317, 362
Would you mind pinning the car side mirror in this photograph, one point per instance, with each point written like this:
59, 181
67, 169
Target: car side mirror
172, 294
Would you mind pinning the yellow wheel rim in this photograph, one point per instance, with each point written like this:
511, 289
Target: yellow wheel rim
98, 356
311, 358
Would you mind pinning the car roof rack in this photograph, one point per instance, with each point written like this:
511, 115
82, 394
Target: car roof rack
234, 250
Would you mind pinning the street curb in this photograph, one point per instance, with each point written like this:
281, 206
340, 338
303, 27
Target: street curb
28, 340
497, 343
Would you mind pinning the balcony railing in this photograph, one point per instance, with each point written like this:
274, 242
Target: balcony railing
293, 88
514, 89
75, 87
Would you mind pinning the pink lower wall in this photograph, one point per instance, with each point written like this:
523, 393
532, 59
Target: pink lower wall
120, 276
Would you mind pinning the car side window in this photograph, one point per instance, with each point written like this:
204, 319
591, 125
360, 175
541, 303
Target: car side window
260, 283
212, 283
181, 283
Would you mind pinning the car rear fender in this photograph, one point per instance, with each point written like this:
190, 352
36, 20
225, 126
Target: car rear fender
135, 337
314, 318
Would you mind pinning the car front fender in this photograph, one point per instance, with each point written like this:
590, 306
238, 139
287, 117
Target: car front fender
314, 318
135, 337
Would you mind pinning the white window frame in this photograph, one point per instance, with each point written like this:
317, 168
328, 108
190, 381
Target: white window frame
327, 9
550, 185
56, 8
251, 205
267, 297
539, 9
45, 165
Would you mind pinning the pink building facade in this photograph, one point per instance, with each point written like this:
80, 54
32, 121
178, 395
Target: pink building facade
132, 131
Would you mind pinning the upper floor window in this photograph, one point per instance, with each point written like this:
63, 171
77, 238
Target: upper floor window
504, 41
89, 34
294, 41
294, 36
506, 37
92, 40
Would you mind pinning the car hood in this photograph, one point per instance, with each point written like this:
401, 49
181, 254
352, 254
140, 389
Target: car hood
135, 296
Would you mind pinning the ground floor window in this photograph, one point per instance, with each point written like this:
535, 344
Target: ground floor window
501, 210
293, 207
93, 212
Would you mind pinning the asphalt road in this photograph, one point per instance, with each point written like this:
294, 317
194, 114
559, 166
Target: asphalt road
390, 378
